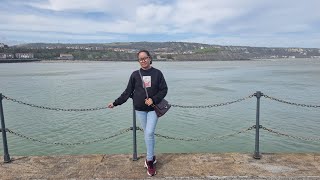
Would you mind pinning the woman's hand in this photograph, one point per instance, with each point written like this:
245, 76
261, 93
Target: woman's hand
110, 105
148, 102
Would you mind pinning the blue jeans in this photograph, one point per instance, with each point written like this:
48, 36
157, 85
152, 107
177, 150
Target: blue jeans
148, 120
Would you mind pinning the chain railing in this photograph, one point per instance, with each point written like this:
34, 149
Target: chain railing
100, 108
51, 108
257, 155
290, 136
162, 136
214, 105
173, 105
291, 103
68, 144
201, 139
122, 132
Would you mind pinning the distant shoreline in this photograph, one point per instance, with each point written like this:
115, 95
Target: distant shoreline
95, 61
87, 61
18, 60
155, 60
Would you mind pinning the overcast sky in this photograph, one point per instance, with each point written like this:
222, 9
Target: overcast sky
266, 23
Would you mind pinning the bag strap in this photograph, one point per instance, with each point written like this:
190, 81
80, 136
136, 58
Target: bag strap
145, 89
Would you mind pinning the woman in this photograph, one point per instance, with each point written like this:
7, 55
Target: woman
153, 80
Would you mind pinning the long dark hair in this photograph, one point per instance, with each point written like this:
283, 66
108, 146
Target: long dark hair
147, 52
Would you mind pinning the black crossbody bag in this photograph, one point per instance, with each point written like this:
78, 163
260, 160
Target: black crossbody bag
160, 108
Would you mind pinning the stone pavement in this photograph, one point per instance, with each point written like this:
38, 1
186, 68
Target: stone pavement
283, 166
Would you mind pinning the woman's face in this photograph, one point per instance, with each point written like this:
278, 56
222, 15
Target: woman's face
144, 60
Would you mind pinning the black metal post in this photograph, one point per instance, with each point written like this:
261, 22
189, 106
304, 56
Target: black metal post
6, 156
257, 154
134, 130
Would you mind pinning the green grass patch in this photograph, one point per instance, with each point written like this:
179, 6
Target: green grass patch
206, 50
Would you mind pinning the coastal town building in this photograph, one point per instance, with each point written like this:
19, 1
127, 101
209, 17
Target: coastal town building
24, 55
6, 56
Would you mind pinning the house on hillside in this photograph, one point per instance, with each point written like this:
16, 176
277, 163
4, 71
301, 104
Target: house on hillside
66, 57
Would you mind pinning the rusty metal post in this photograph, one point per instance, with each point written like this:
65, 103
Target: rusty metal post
134, 131
6, 156
257, 154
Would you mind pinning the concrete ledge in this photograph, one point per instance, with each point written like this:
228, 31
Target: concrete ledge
170, 166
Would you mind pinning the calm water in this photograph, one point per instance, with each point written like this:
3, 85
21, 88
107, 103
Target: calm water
90, 85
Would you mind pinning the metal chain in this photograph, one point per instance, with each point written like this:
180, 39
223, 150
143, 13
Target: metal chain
99, 108
200, 139
50, 108
173, 105
290, 136
213, 105
291, 103
68, 144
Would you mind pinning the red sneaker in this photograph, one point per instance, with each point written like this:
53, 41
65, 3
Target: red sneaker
154, 161
151, 168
